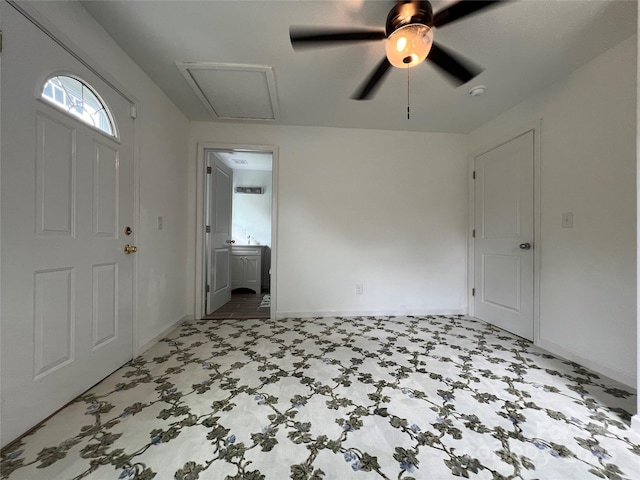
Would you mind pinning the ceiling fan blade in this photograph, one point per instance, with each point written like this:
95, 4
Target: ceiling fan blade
458, 69
368, 88
301, 37
460, 10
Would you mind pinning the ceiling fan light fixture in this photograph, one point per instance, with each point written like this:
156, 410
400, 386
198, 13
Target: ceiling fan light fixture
409, 45
408, 39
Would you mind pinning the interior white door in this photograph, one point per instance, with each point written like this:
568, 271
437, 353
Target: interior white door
67, 196
504, 222
220, 186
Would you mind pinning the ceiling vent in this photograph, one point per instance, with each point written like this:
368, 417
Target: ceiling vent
239, 161
232, 91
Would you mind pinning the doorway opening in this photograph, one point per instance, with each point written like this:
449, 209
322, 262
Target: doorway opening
238, 233
244, 305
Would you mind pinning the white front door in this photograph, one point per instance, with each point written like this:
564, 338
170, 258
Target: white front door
504, 235
220, 191
67, 197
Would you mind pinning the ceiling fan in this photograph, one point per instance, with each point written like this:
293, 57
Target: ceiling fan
409, 41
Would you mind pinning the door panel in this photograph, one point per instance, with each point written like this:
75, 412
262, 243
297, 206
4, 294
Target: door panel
222, 193
501, 281
105, 304
252, 270
504, 220
67, 195
500, 195
54, 320
237, 270
105, 190
220, 187
55, 173
221, 278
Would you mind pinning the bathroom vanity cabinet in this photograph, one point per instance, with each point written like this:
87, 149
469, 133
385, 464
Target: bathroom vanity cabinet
246, 267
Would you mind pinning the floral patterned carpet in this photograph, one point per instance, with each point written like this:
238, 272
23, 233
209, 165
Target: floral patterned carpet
337, 398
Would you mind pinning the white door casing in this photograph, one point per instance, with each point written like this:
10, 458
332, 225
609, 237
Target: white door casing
67, 196
504, 236
202, 202
220, 192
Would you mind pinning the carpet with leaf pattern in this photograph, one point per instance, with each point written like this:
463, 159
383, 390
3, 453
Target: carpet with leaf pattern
336, 398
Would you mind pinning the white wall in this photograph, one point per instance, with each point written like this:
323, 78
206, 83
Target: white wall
252, 212
162, 145
587, 273
635, 421
385, 209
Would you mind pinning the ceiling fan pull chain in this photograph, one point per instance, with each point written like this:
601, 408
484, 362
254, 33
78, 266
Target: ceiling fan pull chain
408, 109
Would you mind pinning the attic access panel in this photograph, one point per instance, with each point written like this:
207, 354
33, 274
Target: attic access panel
232, 91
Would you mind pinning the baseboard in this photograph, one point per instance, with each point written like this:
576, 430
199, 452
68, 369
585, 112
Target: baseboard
143, 348
371, 313
622, 377
635, 423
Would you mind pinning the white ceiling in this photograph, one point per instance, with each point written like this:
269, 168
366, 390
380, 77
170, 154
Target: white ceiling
524, 45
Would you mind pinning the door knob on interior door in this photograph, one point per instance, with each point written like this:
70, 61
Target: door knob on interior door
525, 246
130, 249
231, 241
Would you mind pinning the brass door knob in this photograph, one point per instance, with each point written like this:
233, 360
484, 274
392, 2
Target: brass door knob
130, 249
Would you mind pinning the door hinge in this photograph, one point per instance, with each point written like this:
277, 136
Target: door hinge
473, 292
0, 40
209, 170
474, 175
207, 229
133, 111
208, 288
473, 233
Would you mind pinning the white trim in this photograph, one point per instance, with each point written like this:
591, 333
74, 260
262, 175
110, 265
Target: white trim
635, 420
536, 127
273, 284
31, 13
628, 379
1, 163
537, 227
470, 244
136, 236
373, 313
635, 423
186, 68
147, 345
200, 280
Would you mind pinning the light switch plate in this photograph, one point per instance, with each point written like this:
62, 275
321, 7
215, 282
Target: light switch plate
567, 220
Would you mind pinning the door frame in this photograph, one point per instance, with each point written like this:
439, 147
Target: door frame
35, 16
201, 194
536, 128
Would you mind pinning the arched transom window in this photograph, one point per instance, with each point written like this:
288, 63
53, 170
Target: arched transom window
78, 99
